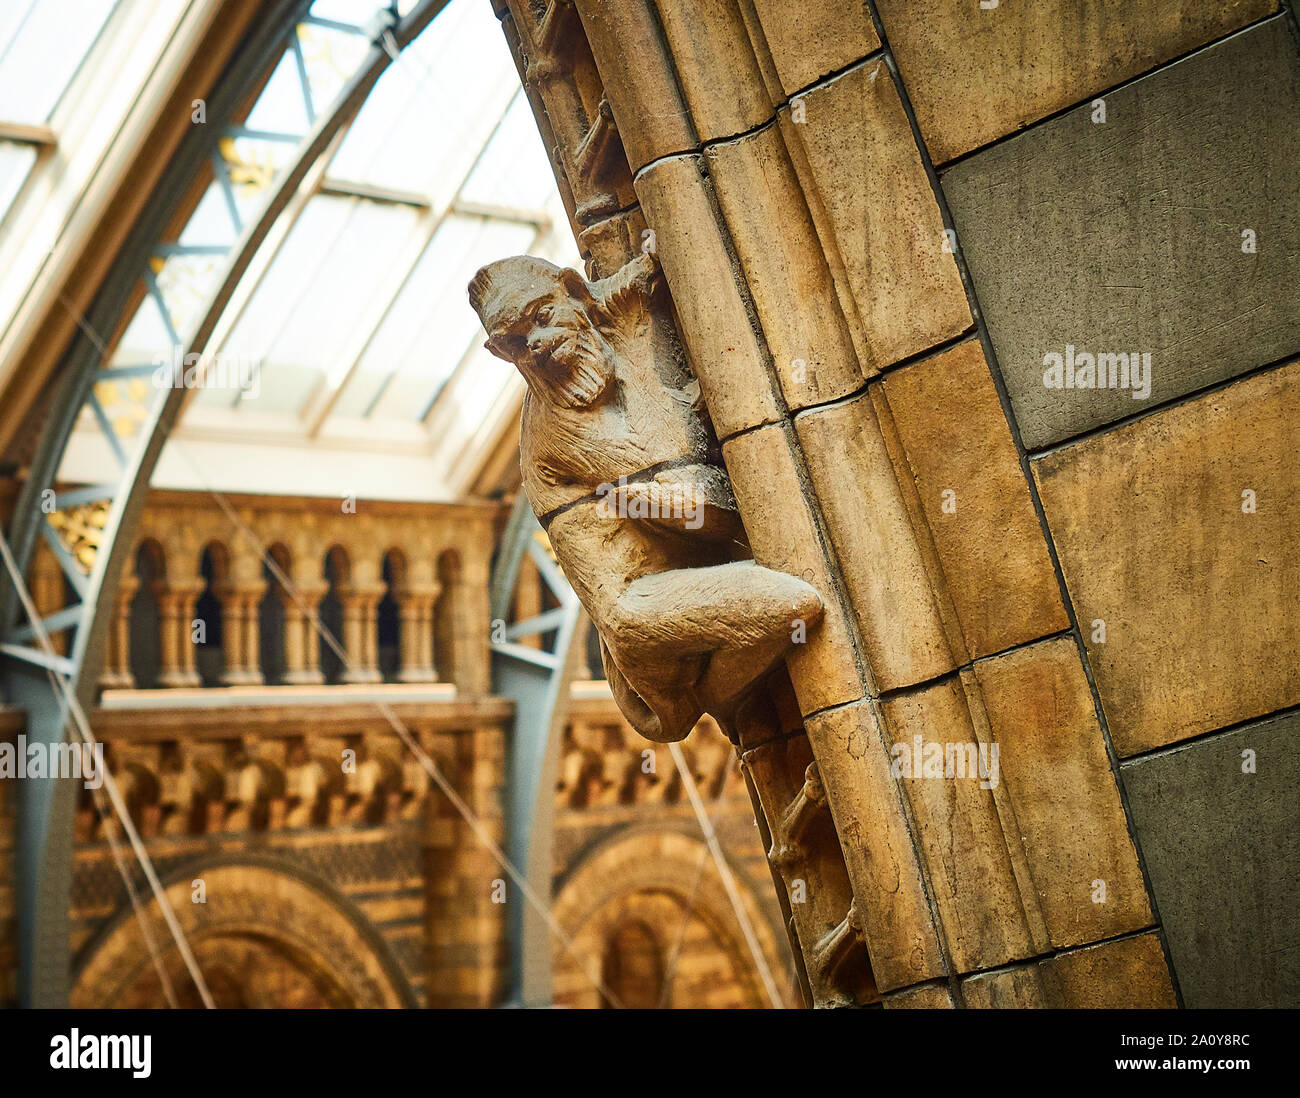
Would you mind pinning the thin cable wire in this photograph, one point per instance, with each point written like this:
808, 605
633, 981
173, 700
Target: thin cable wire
728, 878
169, 991
110, 784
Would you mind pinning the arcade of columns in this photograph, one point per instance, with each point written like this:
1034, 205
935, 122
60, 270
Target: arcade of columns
439, 558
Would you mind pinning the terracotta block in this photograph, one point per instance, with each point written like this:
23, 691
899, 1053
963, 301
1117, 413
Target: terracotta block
712, 314
716, 67
783, 536
638, 80
924, 997
880, 559
877, 216
1076, 248
882, 864
1219, 824
1063, 795
1130, 974
809, 40
784, 268
994, 559
977, 869
967, 72
1198, 598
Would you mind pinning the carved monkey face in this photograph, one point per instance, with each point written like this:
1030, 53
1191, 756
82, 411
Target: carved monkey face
548, 328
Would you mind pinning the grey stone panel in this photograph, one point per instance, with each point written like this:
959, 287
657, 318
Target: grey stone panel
1223, 851
1126, 235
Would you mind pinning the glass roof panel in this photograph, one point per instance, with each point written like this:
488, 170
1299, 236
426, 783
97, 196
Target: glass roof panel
330, 57
187, 283
425, 122
281, 107
449, 326
212, 222
356, 313
356, 12
42, 44
323, 278
514, 170
146, 340
477, 388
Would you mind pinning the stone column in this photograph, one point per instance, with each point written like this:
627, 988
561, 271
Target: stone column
117, 660
360, 639
242, 634
176, 603
301, 639
416, 606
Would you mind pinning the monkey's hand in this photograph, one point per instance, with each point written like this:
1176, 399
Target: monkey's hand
694, 500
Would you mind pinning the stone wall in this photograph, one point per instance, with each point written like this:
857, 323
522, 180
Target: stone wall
903, 240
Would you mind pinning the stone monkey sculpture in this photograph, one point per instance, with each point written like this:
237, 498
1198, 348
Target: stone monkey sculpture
624, 473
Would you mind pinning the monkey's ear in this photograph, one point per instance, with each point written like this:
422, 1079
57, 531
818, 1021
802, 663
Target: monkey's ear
576, 286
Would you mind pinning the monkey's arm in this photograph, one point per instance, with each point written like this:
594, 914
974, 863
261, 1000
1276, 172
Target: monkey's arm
690, 500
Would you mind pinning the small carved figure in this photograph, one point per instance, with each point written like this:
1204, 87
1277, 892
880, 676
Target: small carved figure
623, 471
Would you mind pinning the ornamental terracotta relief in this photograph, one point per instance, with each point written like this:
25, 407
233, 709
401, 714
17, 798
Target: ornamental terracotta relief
622, 469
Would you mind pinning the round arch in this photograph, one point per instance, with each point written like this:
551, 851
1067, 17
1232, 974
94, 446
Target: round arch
655, 877
264, 932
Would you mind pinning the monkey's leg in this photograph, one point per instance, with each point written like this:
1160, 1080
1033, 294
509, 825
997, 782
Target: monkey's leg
735, 608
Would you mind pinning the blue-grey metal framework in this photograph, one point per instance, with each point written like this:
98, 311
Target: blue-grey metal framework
538, 682
45, 808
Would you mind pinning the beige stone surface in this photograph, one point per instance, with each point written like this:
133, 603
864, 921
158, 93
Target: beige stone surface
638, 79
1198, 598
610, 243
877, 216
808, 40
713, 319
781, 257
1130, 974
883, 565
866, 804
976, 865
994, 559
783, 536
716, 66
975, 74
925, 997
1062, 791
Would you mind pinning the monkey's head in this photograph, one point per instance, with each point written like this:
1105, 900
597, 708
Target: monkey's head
560, 330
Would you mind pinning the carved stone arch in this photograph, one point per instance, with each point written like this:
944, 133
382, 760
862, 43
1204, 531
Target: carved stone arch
336, 571
274, 610
338, 560
215, 567
650, 874
143, 656
392, 647
266, 933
